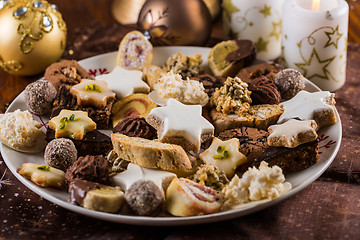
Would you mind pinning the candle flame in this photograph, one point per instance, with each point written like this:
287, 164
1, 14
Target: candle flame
316, 5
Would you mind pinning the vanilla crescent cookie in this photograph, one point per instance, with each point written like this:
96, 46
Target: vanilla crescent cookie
135, 51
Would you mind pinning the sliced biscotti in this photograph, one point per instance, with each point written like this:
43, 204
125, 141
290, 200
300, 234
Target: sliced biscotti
258, 116
150, 153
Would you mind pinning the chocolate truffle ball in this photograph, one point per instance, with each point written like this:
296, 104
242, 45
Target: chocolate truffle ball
39, 96
144, 198
60, 153
289, 82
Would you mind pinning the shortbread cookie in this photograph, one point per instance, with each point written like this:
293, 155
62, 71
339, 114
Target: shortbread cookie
181, 124
43, 175
106, 199
137, 104
318, 106
224, 155
21, 132
259, 116
150, 153
228, 57
125, 82
71, 124
135, 51
187, 198
92, 93
292, 133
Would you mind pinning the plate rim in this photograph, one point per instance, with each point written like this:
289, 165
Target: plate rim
167, 221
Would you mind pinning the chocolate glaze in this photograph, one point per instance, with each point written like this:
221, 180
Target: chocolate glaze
291, 159
79, 188
210, 83
246, 52
263, 91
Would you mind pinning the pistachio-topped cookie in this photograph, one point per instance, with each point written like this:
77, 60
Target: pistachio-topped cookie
72, 124
224, 155
93, 93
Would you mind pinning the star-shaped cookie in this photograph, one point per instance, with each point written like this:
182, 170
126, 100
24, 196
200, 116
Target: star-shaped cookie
181, 124
71, 124
318, 106
125, 82
94, 93
135, 172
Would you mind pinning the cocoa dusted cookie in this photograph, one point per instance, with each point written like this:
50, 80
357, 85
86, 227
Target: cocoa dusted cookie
66, 72
90, 168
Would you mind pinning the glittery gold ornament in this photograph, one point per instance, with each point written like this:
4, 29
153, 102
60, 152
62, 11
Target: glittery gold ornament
175, 22
33, 35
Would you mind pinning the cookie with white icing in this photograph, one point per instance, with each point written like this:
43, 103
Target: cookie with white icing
292, 133
125, 82
318, 106
181, 124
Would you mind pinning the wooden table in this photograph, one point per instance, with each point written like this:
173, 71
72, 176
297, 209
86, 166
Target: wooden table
328, 209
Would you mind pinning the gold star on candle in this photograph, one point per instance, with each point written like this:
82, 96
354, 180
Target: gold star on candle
266, 11
276, 32
315, 67
334, 37
229, 8
261, 45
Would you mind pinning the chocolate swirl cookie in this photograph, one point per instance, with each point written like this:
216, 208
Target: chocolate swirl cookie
135, 126
263, 91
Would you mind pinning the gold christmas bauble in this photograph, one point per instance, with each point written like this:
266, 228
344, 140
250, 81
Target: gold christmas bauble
174, 22
125, 11
33, 35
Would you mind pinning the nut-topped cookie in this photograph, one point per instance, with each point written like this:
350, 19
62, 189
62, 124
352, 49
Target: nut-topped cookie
93, 93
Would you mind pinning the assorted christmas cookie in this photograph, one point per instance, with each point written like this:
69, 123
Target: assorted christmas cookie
19, 131
133, 105
318, 106
43, 175
65, 72
228, 57
135, 51
181, 124
174, 150
125, 82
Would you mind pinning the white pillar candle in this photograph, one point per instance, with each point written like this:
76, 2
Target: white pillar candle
314, 40
257, 20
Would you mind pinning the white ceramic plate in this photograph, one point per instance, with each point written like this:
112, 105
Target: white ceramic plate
329, 145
